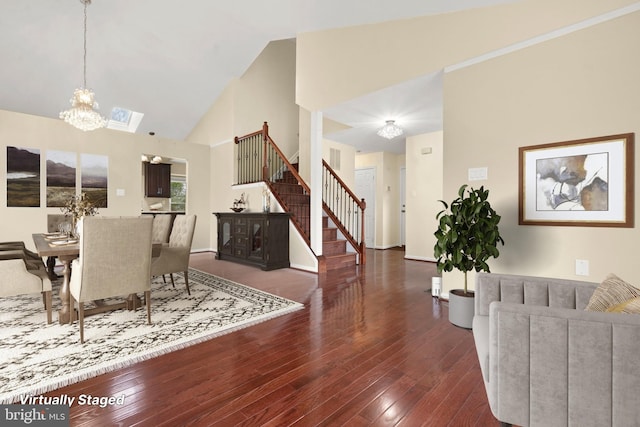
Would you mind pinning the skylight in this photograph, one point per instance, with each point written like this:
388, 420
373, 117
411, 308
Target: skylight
124, 119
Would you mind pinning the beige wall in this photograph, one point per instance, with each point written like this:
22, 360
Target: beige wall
338, 65
492, 107
264, 93
424, 189
347, 160
304, 131
218, 123
582, 85
125, 171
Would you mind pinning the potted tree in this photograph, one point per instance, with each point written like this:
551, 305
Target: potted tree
466, 238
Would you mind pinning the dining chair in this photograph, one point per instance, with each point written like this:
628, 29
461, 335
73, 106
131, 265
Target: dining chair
174, 256
15, 279
114, 261
30, 258
53, 225
161, 228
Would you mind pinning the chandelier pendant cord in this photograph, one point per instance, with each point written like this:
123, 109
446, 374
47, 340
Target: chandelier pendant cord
83, 114
84, 57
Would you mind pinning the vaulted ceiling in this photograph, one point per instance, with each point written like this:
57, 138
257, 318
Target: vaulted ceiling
170, 60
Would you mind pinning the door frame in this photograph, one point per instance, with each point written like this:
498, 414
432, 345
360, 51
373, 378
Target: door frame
369, 202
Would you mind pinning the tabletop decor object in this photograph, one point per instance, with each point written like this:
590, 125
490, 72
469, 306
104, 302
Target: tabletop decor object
239, 204
78, 207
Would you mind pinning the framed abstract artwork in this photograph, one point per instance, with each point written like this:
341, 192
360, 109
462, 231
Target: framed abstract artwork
586, 182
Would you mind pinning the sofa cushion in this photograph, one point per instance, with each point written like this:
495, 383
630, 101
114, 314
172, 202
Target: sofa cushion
631, 306
481, 339
611, 292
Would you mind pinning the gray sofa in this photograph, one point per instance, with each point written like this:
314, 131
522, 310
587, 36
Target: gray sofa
547, 362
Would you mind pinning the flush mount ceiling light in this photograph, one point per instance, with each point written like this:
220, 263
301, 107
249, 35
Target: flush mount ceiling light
82, 114
390, 130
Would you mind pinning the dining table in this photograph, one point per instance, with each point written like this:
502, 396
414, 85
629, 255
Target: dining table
66, 249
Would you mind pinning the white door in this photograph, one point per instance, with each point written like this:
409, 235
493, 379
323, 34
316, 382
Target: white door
403, 206
365, 180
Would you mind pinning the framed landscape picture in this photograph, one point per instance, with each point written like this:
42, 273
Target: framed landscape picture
23, 177
61, 177
94, 178
587, 182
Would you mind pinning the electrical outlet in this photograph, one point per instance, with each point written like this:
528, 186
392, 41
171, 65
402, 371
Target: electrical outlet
582, 267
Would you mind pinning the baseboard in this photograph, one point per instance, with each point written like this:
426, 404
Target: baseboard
197, 251
419, 258
303, 268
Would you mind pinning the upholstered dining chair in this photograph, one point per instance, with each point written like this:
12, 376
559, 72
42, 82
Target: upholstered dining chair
53, 225
31, 259
114, 260
174, 256
15, 279
161, 228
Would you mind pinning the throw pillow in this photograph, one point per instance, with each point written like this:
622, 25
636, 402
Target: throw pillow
631, 306
612, 291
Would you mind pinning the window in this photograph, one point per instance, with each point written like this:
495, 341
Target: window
178, 193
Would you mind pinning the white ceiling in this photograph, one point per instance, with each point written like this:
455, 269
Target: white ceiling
170, 60
415, 105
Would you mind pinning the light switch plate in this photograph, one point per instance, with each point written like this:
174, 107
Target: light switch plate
582, 267
478, 174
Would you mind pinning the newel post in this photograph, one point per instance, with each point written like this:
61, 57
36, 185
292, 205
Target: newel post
265, 138
363, 246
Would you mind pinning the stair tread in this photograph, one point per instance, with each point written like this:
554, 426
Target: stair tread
342, 255
297, 201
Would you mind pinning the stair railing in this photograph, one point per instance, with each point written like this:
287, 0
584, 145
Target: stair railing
249, 157
344, 209
259, 159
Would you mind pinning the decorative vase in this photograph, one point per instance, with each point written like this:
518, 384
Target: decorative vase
461, 308
266, 203
75, 231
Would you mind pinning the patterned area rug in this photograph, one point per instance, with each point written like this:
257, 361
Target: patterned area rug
37, 357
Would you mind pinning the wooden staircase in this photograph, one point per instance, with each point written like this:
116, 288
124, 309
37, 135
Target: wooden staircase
260, 160
294, 200
334, 250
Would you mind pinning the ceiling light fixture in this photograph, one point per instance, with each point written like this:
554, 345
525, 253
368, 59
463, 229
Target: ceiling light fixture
151, 158
82, 114
390, 130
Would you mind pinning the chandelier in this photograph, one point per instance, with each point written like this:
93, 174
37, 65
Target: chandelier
82, 114
390, 130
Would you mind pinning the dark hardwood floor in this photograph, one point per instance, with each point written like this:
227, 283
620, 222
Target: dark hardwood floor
371, 347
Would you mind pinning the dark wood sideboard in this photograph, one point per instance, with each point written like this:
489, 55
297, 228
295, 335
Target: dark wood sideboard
255, 238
